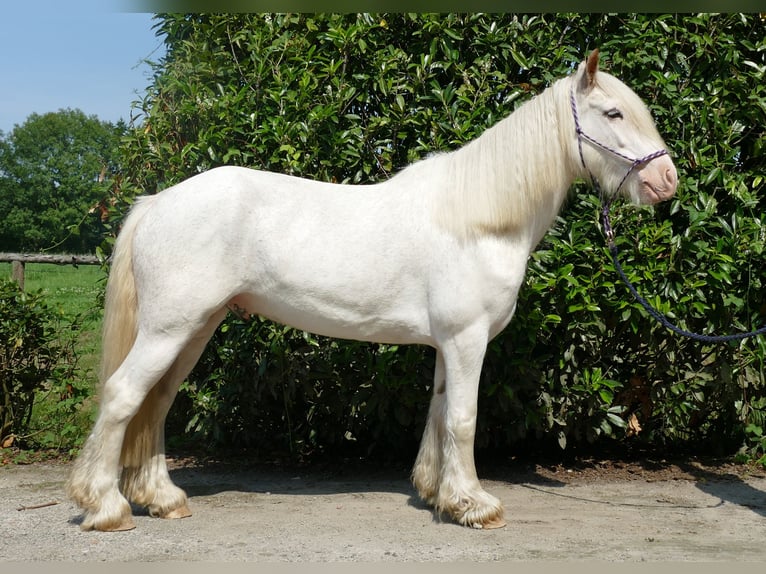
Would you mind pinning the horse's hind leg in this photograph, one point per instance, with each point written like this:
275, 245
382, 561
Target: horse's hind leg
93, 482
145, 479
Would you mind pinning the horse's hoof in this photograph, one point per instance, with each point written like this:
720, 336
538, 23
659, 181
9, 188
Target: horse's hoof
180, 512
497, 522
124, 525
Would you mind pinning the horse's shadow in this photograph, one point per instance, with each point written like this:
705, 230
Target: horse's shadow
210, 479
714, 479
728, 487
214, 478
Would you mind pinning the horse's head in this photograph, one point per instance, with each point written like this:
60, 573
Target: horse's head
618, 141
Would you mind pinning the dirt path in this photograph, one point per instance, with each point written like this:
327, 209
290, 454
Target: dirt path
595, 511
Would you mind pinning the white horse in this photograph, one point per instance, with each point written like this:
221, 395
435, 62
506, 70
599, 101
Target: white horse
434, 256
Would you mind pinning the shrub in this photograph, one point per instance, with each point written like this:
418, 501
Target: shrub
280, 391
37, 361
354, 98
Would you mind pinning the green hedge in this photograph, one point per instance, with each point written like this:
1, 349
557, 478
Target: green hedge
354, 98
38, 372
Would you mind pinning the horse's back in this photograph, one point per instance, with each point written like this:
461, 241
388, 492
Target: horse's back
315, 255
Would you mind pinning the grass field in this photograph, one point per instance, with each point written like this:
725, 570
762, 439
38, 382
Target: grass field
74, 292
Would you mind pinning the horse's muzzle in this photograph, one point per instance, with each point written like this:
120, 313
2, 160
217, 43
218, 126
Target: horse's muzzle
658, 180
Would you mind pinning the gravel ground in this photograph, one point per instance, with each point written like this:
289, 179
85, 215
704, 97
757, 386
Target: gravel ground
596, 510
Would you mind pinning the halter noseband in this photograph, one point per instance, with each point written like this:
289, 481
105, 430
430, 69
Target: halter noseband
609, 232
634, 162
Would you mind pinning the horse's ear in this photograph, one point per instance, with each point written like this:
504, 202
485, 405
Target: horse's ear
591, 65
589, 70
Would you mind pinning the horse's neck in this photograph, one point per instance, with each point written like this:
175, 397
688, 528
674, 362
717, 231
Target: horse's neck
513, 179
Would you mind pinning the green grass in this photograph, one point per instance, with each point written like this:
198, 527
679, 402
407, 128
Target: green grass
74, 292
75, 296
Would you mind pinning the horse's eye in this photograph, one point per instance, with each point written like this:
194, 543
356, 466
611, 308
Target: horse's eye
614, 114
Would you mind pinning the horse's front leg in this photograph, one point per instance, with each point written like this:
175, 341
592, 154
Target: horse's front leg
459, 493
427, 470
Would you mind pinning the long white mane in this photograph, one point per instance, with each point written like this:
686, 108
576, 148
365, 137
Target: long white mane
498, 182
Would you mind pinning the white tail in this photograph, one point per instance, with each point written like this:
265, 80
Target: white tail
119, 329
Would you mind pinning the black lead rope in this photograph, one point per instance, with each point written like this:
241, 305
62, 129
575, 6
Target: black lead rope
609, 232
662, 319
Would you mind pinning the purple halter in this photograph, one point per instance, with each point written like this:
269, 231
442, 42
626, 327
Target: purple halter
581, 135
610, 236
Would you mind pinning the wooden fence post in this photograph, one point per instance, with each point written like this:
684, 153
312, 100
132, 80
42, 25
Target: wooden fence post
17, 273
19, 260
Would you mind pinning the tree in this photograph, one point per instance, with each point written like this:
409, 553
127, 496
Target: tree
355, 97
54, 169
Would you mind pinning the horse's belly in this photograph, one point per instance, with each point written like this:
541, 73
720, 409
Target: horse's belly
334, 317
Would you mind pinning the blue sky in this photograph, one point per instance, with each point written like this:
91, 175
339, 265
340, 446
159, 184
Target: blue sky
81, 54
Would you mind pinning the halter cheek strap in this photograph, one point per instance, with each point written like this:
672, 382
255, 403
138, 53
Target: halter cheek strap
581, 135
609, 232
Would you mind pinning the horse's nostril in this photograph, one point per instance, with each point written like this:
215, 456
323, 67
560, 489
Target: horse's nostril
671, 177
